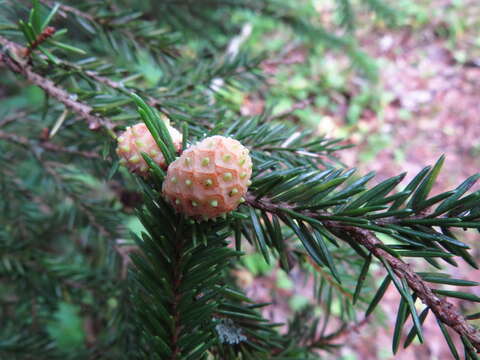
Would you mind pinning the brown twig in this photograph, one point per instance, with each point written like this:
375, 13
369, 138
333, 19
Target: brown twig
112, 84
49, 146
329, 279
124, 251
443, 310
11, 118
120, 87
45, 35
68, 9
347, 330
151, 101
7, 43
85, 111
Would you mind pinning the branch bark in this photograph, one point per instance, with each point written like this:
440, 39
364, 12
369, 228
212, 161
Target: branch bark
443, 309
84, 110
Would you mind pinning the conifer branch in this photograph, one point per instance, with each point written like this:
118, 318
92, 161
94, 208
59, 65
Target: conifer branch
185, 305
444, 310
43, 206
53, 90
120, 87
69, 9
177, 299
91, 217
329, 278
49, 146
11, 118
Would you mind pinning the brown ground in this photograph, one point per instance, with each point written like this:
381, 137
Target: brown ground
442, 99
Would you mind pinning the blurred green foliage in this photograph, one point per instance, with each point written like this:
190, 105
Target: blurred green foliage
66, 327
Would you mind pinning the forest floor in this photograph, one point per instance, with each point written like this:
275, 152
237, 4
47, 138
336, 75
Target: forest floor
429, 105
434, 110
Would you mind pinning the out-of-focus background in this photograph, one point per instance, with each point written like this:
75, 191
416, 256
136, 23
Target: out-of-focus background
426, 103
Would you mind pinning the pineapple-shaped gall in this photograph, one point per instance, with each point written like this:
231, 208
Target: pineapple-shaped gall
209, 179
137, 139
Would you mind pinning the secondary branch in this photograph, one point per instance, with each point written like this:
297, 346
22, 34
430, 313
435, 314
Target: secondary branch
444, 310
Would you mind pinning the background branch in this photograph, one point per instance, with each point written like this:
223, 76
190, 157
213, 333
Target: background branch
68, 9
49, 146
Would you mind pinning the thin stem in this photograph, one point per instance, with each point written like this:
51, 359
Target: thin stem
68, 9
84, 110
13, 117
345, 331
443, 310
23, 141
329, 279
120, 87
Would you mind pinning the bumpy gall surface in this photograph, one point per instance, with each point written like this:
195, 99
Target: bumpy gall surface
137, 139
209, 179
